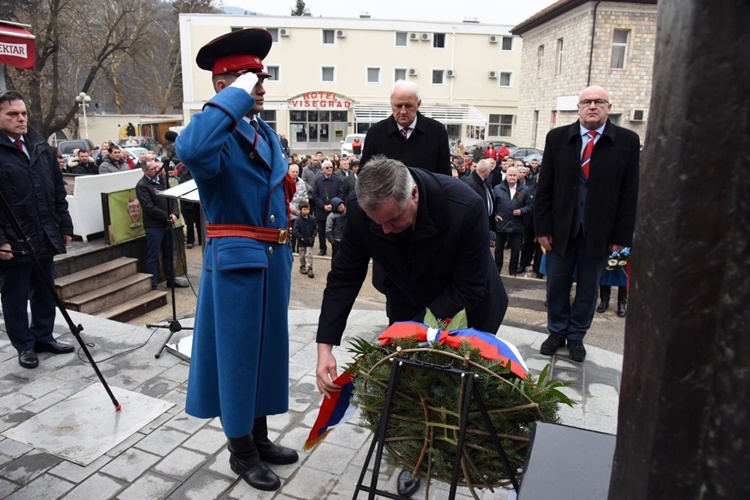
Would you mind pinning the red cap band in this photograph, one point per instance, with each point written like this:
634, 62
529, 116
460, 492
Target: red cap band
229, 64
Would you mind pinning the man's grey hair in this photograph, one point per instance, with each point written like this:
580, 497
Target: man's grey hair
406, 86
483, 165
327, 162
383, 179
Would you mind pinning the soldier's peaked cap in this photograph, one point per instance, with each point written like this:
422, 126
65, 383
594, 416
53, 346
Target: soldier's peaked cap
236, 52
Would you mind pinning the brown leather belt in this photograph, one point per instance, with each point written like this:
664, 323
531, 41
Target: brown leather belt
267, 234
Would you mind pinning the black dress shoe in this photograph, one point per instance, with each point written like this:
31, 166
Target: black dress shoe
622, 308
603, 306
577, 351
28, 359
406, 485
552, 344
321, 253
274, 454
54, 347
177, 284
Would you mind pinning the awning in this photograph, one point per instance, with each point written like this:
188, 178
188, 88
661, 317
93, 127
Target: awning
462, 113
17, 45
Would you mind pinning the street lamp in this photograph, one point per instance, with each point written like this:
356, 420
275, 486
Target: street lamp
83, 101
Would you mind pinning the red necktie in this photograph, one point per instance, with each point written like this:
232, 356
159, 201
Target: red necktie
405, 132
586, 158
19, 144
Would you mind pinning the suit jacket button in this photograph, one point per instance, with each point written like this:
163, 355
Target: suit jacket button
270, 249
272, 218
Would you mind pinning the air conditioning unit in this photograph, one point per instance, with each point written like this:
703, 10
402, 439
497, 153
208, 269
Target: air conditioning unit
450, 73
283, 32
638, 115
413, 72
413, 36
494, 38
492, 74
426, 37
340, 34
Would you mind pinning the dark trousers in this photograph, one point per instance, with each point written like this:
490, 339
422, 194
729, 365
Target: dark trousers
157, 241
531, 251
322, 234
572, 321
335, 245
22, 285
191, 213
514, 240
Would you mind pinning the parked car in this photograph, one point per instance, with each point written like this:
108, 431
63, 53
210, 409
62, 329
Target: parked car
521, 153
134, 153
346, 144
138, 141
485, 144
66, 148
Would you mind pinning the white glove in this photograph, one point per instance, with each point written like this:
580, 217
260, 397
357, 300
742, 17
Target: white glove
246, 82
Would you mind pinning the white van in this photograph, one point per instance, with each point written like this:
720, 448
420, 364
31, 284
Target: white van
346, 144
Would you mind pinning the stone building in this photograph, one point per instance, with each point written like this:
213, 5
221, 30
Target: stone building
576, 43
333, 76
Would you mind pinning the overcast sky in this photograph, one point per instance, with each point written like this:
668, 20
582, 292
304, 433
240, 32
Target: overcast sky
508, 12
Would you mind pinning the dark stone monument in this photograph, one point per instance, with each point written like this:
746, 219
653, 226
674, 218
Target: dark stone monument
684, 415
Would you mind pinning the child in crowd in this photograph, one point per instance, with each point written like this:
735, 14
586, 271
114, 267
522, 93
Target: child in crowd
305, 230
335, 224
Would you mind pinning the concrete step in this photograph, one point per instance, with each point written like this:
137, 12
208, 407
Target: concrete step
95, 277
110, 295
135, 307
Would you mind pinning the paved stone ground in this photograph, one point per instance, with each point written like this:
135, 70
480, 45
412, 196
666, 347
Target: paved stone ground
177, 456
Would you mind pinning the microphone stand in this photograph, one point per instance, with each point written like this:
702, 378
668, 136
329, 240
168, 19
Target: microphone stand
28, 249
173, 325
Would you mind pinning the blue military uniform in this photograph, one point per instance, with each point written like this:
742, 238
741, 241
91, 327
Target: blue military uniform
240, 356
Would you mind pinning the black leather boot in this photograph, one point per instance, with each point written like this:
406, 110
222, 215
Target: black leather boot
622, 301
245, 461
268, 451
604, 294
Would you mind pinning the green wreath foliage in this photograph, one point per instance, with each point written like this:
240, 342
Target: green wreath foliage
425, 414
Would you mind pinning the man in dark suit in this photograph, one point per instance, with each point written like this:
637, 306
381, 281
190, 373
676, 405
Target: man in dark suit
584, 209
326, 187
407, 135
478, 182
412, 223
33, 187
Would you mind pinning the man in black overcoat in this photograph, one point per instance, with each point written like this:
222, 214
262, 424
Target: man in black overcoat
585, 209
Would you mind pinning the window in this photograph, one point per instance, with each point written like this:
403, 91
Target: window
539, 61
501, 125
274, 34
438, 40
373, 75
507, 43
506, 78
327, 74
401, 37
269, 116
399, 74
619, 48
559, 58
328, 37
438, 75
273, 71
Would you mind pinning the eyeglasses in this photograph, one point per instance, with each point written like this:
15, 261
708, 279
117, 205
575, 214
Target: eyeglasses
598, 102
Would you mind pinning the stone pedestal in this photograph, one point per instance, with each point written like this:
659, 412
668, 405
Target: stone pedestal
684, 415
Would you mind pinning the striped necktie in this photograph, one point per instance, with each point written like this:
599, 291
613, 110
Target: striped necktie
586, 158
405, 132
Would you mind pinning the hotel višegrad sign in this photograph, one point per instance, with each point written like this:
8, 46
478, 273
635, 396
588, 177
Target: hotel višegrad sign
320, 100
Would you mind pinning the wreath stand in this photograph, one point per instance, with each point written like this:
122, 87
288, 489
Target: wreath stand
470, 393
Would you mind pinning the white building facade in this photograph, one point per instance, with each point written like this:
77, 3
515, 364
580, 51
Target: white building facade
577, 43
333, 76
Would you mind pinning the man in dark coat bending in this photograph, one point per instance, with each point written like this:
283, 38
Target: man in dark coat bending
429, 233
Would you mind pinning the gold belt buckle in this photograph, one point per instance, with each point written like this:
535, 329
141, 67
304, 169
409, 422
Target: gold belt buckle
283, 236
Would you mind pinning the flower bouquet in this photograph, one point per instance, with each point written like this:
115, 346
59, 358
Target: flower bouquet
619, 259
